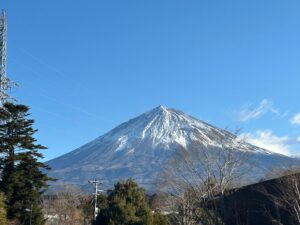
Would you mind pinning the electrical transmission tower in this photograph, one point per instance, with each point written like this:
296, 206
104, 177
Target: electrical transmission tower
5, 83
96, 183
3, 46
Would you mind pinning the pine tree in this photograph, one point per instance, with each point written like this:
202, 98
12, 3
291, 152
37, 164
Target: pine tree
23, 180
127, 205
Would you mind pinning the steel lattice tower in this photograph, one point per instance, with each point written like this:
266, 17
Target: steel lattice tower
2, 50
5, 83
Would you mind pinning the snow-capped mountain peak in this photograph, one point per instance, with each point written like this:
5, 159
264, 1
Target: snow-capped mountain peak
163, 126
141, 147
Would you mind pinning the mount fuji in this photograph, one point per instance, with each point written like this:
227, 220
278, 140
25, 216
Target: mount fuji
141, 148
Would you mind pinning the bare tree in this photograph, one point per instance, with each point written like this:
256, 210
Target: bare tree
290, 189
68, 207
197, 179
284, 193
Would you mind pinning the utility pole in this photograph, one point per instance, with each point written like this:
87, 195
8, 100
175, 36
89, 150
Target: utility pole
96, 183
30, 215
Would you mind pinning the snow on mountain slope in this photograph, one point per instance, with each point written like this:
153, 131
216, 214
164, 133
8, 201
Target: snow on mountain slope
141, 147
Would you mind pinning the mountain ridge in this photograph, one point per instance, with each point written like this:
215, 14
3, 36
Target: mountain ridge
141, 147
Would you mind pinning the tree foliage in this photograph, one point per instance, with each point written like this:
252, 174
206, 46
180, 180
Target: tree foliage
127, 204
23, 176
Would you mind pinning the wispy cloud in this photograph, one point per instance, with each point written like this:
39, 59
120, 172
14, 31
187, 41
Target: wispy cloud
267, 140
250, 112
295, 120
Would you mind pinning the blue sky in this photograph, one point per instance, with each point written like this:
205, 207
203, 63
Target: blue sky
86, 66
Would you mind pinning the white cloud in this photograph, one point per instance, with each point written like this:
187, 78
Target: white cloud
267, 140
298, 139
295, 120
265, 106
